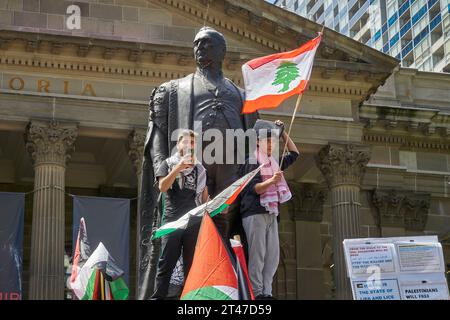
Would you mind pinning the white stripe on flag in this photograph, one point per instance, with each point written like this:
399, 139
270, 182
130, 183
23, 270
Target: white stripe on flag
229, 291
258, 82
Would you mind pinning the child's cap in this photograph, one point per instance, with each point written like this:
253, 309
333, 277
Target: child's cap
266, 129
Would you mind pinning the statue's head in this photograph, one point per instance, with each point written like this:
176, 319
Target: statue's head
209, 47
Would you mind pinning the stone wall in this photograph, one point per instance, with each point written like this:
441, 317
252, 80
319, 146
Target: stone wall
127, 20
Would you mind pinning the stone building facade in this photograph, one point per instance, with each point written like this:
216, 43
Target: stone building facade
374, 137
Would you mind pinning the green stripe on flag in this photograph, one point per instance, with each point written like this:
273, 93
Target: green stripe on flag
219, 210
89, 292
162, 232
206, 293
119, 289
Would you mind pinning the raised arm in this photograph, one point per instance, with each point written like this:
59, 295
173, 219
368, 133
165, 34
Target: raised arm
290, 144
166, 182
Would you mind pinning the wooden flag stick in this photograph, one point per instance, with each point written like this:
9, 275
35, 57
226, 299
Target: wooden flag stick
321, 31
297, 105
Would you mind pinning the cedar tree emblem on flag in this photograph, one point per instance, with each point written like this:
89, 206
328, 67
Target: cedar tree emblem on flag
286, 73
271, 79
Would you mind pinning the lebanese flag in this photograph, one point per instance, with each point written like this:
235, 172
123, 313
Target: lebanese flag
271, 79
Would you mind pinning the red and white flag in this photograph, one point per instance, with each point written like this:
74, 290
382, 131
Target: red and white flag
271, 79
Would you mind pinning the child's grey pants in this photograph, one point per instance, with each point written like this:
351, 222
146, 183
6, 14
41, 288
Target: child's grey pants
263, 251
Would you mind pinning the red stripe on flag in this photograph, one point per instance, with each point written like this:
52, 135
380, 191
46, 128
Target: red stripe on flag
271, 101
236, 193
211, 265
238, 190
96, 293
76, 259
239, 252
258, 62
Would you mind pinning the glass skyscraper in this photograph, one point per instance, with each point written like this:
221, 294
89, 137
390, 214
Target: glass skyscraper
415, 31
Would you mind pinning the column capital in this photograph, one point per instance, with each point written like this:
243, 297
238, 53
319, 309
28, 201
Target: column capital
307, 199
389, 204
416, 211
401, 209
342, 163
50, 141
135, 148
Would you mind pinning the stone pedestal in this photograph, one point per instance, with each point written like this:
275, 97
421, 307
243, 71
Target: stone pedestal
343, 166
49, 145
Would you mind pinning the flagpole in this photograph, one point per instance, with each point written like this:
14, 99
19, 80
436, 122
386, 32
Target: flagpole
297, 105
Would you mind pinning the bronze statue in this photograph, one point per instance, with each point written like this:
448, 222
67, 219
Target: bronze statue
205, 96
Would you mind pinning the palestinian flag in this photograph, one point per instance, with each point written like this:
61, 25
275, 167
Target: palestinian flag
99, 288
100, 278
222, 201
271, 79
212, 275
82, 250
245, 287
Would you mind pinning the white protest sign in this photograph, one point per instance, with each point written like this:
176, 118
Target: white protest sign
385, 289
425, 291
406, 268
362, 257
432, 286
420, 257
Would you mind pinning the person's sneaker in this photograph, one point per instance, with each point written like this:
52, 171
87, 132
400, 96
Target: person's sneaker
260, 297
267, 297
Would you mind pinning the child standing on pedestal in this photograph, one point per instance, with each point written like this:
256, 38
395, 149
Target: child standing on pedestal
259, 205
182, 179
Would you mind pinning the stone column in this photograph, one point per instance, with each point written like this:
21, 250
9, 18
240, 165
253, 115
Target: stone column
49, 145
135, 149
343, 166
